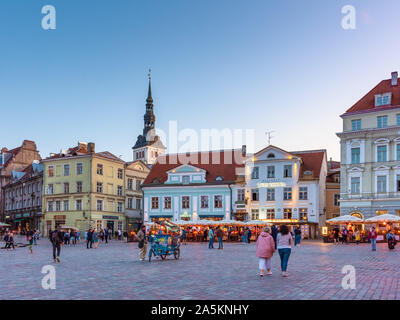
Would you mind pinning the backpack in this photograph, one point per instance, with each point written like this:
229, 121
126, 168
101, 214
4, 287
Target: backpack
54, 235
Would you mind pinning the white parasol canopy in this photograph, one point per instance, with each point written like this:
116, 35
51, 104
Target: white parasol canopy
344, 219
2, 224
384, 218
257, 223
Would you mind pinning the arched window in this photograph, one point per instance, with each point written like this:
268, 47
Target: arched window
271, 155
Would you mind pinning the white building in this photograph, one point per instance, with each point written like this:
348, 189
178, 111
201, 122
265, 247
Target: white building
287, 188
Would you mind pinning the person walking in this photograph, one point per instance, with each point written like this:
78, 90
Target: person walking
89, 239
56, 239
205, 232
95, 238
391, 239
248, 235
284, 246
372, 235
142, 238
125, 234
66, 237
184, 236
265, 248
73, 237
220, 236
345, 233
274, 233
297, 236
357, 236
211, 239
35, 236
336, 235
9, 238
31, 243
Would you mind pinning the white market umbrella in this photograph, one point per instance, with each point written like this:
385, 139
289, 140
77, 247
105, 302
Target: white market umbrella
2, 224
384, 218
345, 219
257, 223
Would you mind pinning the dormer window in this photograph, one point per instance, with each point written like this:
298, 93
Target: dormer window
271, 155
383, 99
186, 179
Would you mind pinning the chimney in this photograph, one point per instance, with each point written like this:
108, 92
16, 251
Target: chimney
244, 152
395, 76
91, 147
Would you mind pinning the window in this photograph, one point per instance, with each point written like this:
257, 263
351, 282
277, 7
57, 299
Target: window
271, 172
185, 202
287, 193
240, 195
255, 215
138, 183
382, 121
398, 183
336, 199
303, 214
120, 206
130, 203
355, 155
99, 187
254, 195
355, 185
204, 202
154, 202
270, 194
79, 186
254, 173
186, 179
380, 212
138, 203
398, 151
66, 169
99, 169
287, 171
287, 213
66, 187
51, 171
79, 168
218, 202
356, 125
398, 119
382, 99
381, 184
271, 155
130, 184
99, 205
120, 174
382, 153
120, 191
50, 189
303, 193
66, 205
50, 206
58, 205
167, 202
270, 213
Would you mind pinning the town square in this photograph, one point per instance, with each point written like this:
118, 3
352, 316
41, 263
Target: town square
200, 151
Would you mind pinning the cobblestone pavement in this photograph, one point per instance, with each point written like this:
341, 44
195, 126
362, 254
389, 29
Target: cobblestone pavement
113, 271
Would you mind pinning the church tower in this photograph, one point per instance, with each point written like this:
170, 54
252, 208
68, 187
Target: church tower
148, 145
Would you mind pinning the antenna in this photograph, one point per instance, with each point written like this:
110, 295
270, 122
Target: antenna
269, 136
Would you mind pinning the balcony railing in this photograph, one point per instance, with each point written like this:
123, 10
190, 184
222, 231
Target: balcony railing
370, 196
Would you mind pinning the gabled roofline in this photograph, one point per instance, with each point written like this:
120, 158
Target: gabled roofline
186, 165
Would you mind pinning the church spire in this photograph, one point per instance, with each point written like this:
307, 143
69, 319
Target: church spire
149, 97
149, 118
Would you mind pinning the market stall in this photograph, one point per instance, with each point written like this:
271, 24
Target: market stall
383, 223
352, 223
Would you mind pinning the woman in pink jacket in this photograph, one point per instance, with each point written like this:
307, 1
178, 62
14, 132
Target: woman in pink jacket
265, 249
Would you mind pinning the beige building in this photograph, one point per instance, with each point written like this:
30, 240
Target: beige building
370, 153
135, 174
83, 189
333, 190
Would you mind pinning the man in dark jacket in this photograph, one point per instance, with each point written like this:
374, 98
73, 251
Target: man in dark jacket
89, 239
220, 235
56, 239
274, 233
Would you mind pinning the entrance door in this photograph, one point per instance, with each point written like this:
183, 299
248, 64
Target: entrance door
110, 226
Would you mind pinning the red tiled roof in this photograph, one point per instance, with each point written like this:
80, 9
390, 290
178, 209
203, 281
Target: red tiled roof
312, 161
226, 170
367, 103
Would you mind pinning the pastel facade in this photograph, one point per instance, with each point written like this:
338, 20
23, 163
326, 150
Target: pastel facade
370, 153
83, 189
287, 187
191, 190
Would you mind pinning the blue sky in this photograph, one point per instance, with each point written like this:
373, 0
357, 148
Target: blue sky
286, 66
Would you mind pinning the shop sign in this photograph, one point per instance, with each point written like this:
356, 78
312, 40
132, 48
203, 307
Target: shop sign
271, 184
96, 216
63, 217
186, 215
18, 215
110, 218
27, 214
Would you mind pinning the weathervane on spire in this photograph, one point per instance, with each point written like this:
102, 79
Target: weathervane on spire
268, 133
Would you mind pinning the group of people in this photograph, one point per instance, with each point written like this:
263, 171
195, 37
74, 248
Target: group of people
270, 240
346, 235
219, 233
9, 240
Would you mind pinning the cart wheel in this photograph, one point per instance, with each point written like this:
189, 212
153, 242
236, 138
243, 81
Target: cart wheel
163, 256
177, 253
150, 254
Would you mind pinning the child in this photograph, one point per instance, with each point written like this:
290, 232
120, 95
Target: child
31, 243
